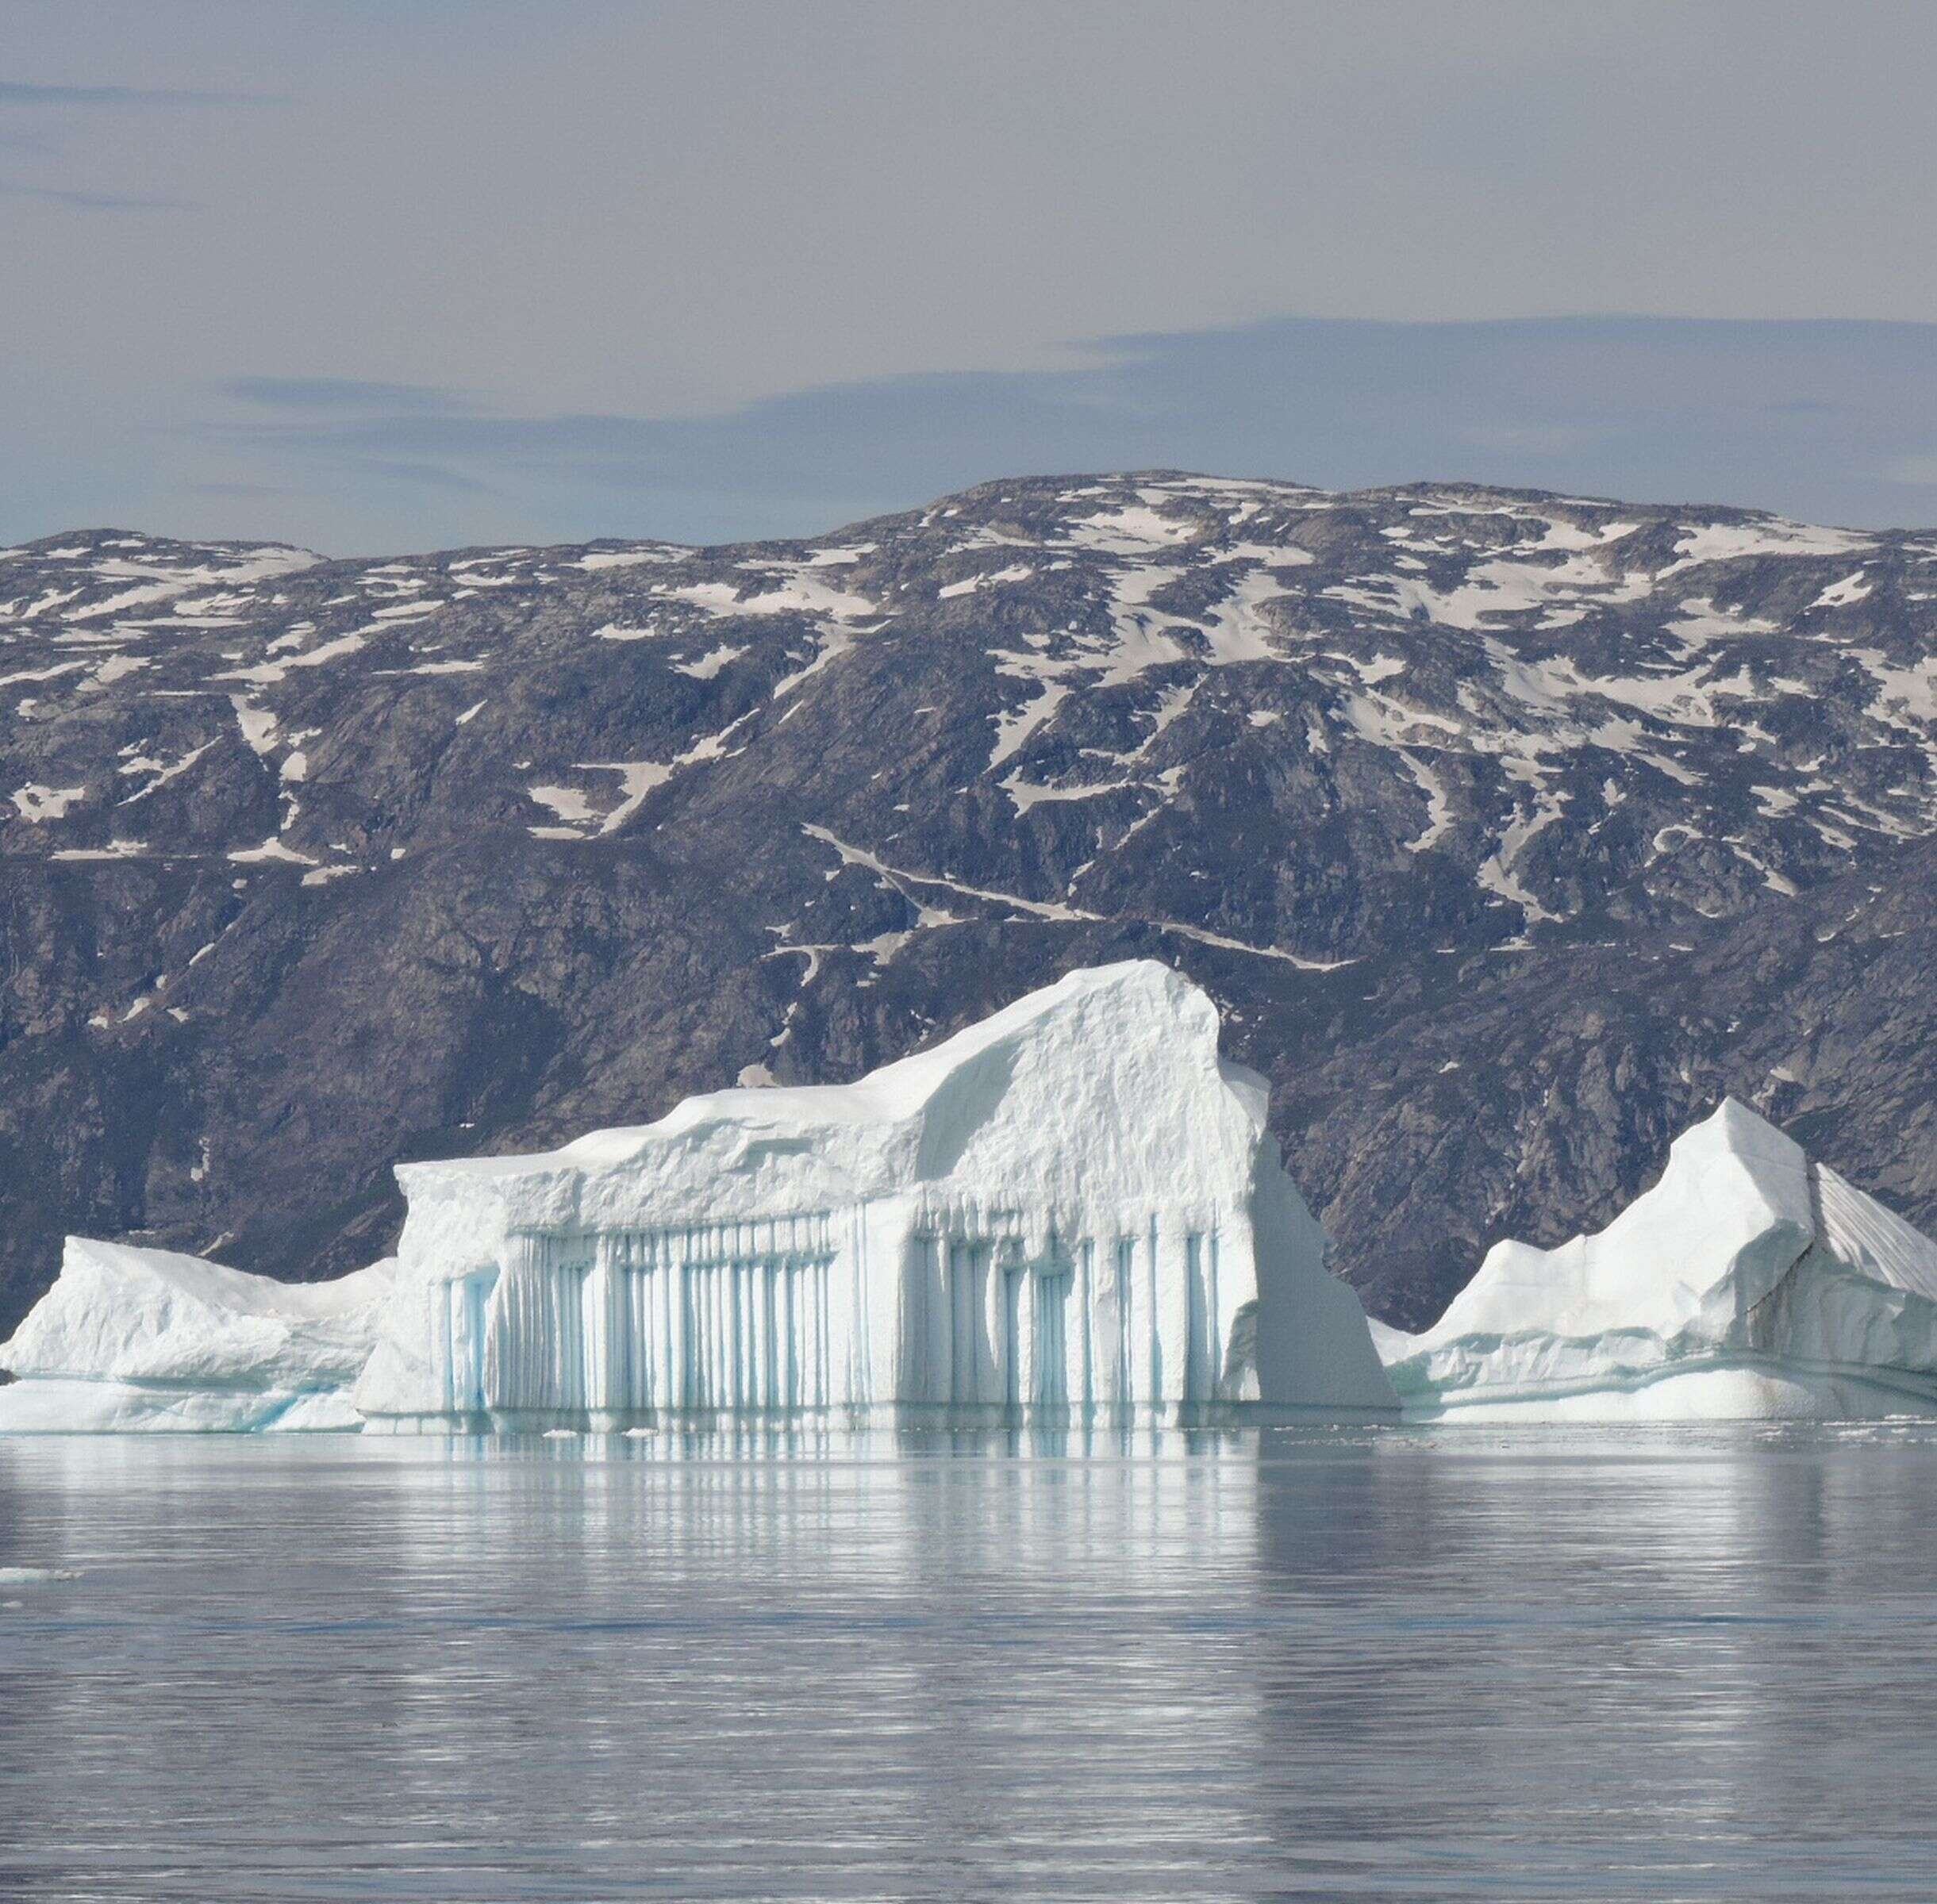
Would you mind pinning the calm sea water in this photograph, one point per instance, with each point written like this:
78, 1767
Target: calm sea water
1366, 1665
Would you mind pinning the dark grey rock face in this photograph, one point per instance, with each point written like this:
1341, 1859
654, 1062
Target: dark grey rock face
1508, 830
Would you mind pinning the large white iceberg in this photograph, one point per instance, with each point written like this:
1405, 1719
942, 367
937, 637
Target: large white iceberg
1073, 1206
1073, 1209
1749, 1282
132, 1338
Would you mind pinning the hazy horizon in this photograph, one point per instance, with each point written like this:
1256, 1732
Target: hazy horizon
372, 278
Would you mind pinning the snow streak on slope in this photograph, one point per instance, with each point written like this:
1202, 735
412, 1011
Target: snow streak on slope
1494, 661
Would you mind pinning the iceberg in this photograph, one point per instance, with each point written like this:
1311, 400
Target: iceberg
1073, 1209
1073, 1206
132, 1338
1751, 1282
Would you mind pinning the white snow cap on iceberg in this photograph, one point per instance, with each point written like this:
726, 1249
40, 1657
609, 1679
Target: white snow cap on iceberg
134, 1338
1749, 1282
1074, 1204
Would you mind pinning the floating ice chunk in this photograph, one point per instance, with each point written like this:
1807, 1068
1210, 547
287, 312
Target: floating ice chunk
132, 1338
1073, 1206
1748, 1281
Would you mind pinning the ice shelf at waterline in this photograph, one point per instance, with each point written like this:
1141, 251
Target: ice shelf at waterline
132, 1338
1749, 1282
1073, 1205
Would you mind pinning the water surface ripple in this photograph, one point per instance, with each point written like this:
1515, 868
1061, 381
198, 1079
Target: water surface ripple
1373, 1664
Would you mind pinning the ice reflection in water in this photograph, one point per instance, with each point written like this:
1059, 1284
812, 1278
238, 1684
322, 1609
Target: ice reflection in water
1465, 1665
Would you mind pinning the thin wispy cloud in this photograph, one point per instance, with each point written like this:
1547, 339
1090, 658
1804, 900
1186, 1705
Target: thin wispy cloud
342, 394
427, 475
35, 95
27, 92
87, 201
246, 491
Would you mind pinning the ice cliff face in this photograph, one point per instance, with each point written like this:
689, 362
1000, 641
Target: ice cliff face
1074, 1205
1748, 1281
131, 1338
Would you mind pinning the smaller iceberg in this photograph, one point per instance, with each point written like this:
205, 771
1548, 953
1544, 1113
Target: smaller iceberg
1751, 1282
131, 1339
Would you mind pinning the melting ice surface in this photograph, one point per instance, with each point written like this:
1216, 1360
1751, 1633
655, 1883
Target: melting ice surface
1073, 1205
1600, 1665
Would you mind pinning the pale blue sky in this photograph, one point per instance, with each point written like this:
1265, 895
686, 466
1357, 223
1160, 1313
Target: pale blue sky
383, 276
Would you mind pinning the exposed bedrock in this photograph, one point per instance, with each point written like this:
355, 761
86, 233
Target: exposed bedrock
1509, 832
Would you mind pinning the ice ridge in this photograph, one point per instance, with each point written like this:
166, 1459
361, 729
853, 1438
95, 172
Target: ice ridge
1750, 1281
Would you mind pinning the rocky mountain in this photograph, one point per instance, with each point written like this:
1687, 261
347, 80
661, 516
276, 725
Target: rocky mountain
1509, 830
